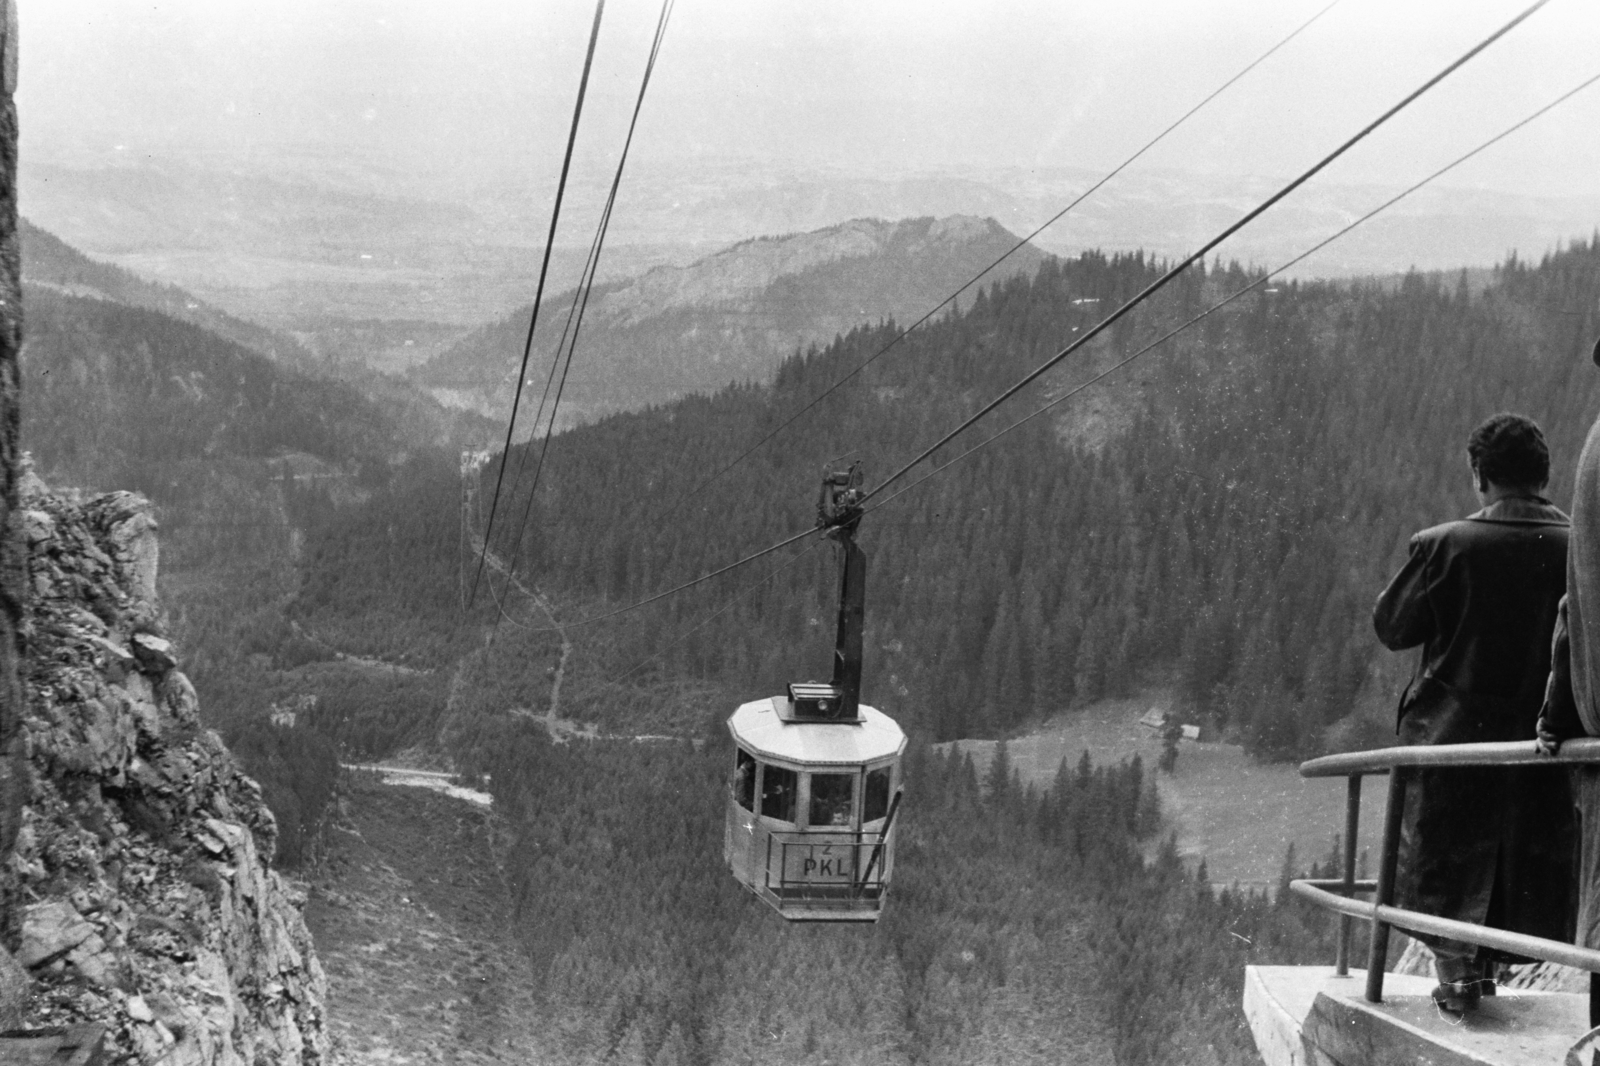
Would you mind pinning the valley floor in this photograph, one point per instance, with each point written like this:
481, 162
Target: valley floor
1235, 813
414, 928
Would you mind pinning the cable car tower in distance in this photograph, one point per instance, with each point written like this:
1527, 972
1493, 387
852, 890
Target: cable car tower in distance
816, 777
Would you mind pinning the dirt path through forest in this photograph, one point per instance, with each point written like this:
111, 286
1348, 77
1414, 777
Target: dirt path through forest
560, 728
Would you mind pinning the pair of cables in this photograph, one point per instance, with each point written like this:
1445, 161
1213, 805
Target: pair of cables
1128, 306
698, 490
581, 297
1232, 297
580, 302
1200, 254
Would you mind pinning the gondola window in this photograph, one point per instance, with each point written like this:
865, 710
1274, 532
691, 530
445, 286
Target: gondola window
744, 781
875, 804
832, 799
779, 787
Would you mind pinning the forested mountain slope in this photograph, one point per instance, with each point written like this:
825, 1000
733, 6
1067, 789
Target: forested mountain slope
1244, 496
1220, 517
128, 396
732, 316
49, 262
1024, 927
52, 266
228, 444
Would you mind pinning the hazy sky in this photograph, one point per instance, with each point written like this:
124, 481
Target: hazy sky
881, 86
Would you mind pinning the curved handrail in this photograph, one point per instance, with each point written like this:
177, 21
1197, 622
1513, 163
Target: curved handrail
1402, 764
1328, 895
1584, 751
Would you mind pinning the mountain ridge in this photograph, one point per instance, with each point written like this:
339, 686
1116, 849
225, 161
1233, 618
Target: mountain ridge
733, 315
51, 263
54, 271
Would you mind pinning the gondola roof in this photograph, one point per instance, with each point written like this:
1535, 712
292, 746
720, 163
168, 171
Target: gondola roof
759, 725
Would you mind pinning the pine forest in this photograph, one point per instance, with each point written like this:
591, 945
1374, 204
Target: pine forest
1216, 517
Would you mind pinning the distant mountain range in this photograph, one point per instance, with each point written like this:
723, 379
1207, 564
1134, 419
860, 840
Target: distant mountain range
67, 286
732, 316
50, 263
308, 251
321, 247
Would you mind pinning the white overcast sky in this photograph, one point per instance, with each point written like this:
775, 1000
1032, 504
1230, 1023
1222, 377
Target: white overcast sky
867, 86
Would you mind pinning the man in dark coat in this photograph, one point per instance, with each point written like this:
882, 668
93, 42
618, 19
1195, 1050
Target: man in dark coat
1489, 846
1572, 701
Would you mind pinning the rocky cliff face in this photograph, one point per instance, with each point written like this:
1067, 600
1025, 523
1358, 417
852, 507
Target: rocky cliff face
139, 870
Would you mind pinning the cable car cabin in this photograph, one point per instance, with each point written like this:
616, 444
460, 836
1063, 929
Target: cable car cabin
816, 775
810, 813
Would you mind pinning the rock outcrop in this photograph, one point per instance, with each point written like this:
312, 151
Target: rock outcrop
140, 867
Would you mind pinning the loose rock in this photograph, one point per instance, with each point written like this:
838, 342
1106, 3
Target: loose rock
143, 844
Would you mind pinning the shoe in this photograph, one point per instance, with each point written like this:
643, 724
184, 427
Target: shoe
1458, 997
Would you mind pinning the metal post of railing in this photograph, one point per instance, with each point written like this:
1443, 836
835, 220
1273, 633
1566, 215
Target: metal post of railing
1352, 825
1378, 949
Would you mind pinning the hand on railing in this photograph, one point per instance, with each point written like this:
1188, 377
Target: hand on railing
1545, 741
1548, 738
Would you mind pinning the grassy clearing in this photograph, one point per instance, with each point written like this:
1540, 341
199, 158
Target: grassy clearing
1237, 814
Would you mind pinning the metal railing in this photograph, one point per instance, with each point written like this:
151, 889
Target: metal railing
1400, 764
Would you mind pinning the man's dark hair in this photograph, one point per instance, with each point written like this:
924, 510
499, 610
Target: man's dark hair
1510, 450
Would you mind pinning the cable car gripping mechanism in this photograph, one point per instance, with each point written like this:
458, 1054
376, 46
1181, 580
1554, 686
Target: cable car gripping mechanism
839, 508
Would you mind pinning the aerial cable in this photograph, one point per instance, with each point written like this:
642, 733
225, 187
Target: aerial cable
1052, 220
1262, 280
702, 579
538, 295
1196, 256
726, 607
580, 300
586, 278
1108, 321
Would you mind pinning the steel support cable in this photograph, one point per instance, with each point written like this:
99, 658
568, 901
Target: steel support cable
1251, 216
1219, 305
1108, 321
500, 607
580, 302
466, 536
538, 294
580, 295
549, 380
702, 579
724, 609
942, 304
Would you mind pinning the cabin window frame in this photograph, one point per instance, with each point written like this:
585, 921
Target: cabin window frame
888, 795
851, 774
762, 769
745, 801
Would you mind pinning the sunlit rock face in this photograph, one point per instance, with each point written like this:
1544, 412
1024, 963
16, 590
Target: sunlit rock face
140, 865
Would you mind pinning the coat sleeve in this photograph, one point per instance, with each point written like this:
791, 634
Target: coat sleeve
1403, 617
1559, 715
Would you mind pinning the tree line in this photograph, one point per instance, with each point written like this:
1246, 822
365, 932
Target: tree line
1223, 514
1023, 925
